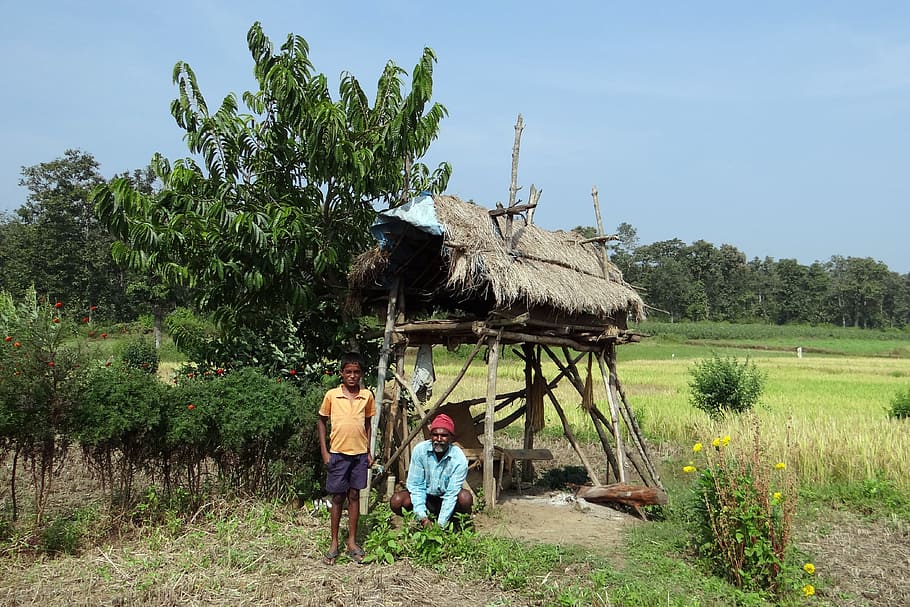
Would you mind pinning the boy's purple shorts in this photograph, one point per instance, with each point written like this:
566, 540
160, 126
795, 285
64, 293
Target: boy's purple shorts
346, 472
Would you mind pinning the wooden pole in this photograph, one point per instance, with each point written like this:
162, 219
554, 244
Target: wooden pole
527, 466
635, 429
513, 184
489, 487
600, 231
614, 418
381, 371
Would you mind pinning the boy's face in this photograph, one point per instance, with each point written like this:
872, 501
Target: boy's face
350, 375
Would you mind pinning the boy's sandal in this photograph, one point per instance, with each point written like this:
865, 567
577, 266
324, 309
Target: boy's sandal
330, 557
356, 554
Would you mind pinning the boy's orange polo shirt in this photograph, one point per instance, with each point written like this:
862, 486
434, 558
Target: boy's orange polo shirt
347, 419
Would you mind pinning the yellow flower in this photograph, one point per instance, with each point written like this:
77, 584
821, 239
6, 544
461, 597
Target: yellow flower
777, 496
716, 443
780, 465
688, 469
808, 589
725, 440
809, 568
696, 447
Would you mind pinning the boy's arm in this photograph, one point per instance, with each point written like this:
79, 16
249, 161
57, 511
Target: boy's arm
368, 427
320, 430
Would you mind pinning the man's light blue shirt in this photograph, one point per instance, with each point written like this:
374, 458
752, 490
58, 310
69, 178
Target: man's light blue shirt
442, 477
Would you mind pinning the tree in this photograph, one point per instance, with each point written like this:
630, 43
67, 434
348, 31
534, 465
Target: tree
265, 230
54, 241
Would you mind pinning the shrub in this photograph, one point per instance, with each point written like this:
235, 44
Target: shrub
723, 385
900, 405
140, 354
743, 507
117, 422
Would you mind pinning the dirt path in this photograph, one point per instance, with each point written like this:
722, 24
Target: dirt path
556, 518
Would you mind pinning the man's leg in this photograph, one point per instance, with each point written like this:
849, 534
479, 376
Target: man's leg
400, 502
337, 506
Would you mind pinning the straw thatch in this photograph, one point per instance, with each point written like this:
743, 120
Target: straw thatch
535, 268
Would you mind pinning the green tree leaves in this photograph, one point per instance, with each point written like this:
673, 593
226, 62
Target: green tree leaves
265, 229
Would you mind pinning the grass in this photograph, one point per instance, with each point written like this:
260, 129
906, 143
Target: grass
830, 407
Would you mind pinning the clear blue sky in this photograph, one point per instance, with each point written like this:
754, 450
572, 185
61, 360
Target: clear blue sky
780, 127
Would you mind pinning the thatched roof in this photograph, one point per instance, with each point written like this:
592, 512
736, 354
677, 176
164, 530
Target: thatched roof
541, 269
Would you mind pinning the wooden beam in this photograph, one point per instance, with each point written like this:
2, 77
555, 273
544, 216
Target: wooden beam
614, 418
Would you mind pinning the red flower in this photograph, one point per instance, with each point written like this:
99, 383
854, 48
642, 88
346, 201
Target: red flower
58, 305
51, 363
17, 345
9, 338
190, 375
104, 336
219, 371
93, 308
56, 320
191, 406
85, 319
293, 371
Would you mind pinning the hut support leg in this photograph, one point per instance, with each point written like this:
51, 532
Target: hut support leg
634, 429
614, 418
527, 466
489, 488
380, 384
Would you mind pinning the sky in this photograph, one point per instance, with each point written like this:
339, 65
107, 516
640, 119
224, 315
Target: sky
781, 128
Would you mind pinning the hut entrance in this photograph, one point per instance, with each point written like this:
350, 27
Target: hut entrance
449, 273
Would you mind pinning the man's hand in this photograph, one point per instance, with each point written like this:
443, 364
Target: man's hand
426, 523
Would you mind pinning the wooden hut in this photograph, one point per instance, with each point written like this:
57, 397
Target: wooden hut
449, 272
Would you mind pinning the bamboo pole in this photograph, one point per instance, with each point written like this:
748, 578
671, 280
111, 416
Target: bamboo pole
614, 418
489, 488
413, 432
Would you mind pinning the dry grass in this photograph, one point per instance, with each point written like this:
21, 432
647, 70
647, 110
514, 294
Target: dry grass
229, 554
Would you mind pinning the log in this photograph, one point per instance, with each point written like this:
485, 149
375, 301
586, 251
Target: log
622, 493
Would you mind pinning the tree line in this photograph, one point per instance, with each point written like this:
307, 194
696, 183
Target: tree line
701, 281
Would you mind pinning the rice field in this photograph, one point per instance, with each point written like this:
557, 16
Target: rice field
823, 415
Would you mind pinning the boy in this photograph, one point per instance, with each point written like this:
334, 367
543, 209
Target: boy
349, 409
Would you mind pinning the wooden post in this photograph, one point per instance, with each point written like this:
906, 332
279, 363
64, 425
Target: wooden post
600, 231
527, 466
614, 418
513, 187
381, 371
489, 487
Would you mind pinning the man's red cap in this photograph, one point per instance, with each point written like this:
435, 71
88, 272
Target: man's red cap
443, 422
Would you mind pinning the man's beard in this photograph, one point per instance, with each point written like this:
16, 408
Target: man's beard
440, 448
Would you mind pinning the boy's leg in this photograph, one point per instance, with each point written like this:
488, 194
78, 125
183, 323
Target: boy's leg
353, 516
358, 481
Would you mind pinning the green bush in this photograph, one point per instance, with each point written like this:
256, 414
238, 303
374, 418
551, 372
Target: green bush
117, 422
140, 354
900, 405
723, 385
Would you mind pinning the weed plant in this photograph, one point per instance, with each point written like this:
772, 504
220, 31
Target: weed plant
900, 405
721, 385
743, 505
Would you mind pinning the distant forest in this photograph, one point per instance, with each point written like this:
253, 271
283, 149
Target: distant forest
701, 281
55, 242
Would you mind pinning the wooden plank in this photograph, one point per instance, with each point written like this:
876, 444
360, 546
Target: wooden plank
529, 454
